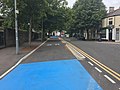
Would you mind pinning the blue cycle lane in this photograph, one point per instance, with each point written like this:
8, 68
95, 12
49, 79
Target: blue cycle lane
49, 75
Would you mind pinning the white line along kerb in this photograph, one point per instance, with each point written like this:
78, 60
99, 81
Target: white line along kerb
4, 74
112, 81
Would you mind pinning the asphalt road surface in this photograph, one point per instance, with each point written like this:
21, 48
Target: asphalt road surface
104, 52
51, 50
107, 53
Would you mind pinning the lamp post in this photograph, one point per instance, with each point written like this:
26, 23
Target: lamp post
42, 31
16, 28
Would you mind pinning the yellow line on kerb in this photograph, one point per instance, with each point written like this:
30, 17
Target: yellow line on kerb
104, 67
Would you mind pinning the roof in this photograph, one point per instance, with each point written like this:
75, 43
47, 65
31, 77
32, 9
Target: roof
114, 13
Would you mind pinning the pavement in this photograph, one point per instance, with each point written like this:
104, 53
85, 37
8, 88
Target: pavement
51, 67
8, 58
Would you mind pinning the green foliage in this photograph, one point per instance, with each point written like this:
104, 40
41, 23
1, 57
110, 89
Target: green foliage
52, 15
88, 14
52, 12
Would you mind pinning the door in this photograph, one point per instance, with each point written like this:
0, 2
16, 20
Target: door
110, 35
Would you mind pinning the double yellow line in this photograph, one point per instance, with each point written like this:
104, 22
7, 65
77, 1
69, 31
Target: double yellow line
104, 67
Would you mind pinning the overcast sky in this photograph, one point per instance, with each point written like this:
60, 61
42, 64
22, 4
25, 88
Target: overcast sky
108, 3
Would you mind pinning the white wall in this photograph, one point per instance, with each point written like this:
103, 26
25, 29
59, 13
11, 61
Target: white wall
107, 34
114, 34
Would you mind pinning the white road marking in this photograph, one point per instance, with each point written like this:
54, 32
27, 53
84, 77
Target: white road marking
57, 44
14, 66
78, 52
63, 41
112, 81
98, 69
79, 57
91, 64
119, 88
49, 44
102, 66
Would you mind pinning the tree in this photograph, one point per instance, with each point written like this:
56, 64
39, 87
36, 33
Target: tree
88, 15
44, 15
56, 19
31, 11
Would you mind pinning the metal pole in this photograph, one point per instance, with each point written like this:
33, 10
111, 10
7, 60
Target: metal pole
42, 31
16, 29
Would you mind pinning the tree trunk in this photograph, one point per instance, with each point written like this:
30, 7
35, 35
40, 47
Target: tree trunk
87, 34
49, 34
30, 31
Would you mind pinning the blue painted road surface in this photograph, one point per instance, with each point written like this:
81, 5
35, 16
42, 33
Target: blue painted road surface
54, 75
54, 37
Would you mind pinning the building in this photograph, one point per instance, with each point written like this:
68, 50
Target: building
111, 26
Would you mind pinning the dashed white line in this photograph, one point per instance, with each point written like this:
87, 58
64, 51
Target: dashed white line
98, 69
49, 44
119, 88
90, 63
112, 81
57, 44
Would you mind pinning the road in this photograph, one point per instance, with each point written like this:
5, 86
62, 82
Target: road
107, 53
51, 50
51, 66
54, 65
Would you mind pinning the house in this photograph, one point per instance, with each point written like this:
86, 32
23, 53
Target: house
111, 26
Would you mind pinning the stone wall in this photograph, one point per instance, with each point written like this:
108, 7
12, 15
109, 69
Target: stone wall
23, 37
9, 37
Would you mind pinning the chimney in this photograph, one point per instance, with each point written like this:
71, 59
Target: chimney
111, 9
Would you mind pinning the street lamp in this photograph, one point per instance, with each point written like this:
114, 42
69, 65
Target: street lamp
16, 28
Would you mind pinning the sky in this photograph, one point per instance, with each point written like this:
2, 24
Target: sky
108, 3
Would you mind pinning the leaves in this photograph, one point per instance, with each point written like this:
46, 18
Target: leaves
88, 14
52, 12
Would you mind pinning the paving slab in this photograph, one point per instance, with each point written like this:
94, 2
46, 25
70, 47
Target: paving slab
8, 57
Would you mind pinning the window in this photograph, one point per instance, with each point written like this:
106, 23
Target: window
103, 33
110, 22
